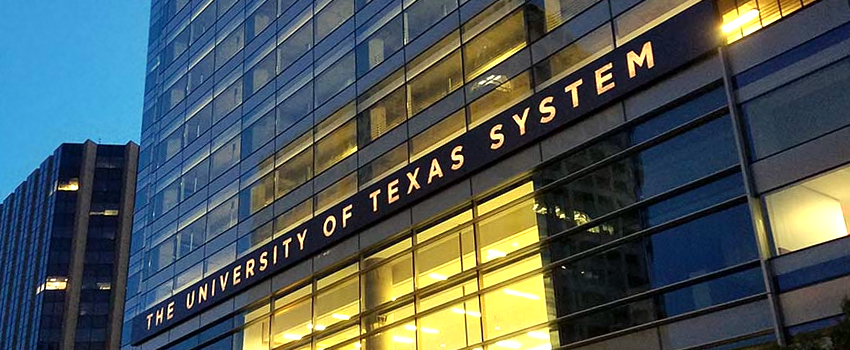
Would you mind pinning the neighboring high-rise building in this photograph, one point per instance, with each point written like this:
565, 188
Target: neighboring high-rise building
491, 174
64, 245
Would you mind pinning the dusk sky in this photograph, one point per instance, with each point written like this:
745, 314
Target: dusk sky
69, 71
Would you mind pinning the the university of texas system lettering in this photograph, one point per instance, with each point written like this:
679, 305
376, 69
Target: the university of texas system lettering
673, 44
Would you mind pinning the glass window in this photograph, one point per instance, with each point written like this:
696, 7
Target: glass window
256, 335
197, 125
220, 259
259, 75
494, 45
335, 193
292, 322
810, 212
257, 196
295, 171
798, 112
295, 46
225, 157
191, 237
443, 225
175, 94
166, 199
227, 101
292, 217
202, 22
421, 15
438, 134
169, 146
258, 134
396, 338
295, 107
379, 46
574, 56
509, 229
556, 12
175, 48
260, 19
502, 97
517, 306
386, 317
199, 73
335, 147
453, 327
337, 304
195, 179
647, 15
443, 258
161, 256
435, 83
386, 280
742, 18
382, 117
222, 217
229, 46
332, 16
334, 79
383, 165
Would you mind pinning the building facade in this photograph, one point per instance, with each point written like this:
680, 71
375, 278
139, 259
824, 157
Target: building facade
491, 174
64, 243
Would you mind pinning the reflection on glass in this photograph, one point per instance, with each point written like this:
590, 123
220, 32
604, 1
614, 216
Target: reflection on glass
509, 229
438, 134
452, 327
494, 45
517, 306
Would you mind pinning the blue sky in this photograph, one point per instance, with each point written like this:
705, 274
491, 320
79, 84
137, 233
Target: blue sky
69, 71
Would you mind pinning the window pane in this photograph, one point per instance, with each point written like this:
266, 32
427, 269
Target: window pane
338, 304
332, 16
190, 237
335, 147
258, 134
423, 14
509, 229
222, 217
197, 125
256, 336
334, 79
520, 305
435, 83
397, 338
438, 134
494, 45
257, 196
503, 96
379, 46
202, 71
260, 19
453, 327
574, 56
295, 46
556, 12
810, 212
335, 193
227, 101
292, 323
298, 214
229, 46
443, 225
202, 22
382, 116
383, 165
294, 172
386, 282
260, 74
294, 108
224, 158
647, 15
439, 260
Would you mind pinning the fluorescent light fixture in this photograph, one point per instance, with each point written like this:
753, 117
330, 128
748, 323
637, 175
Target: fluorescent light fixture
438, 276
292, 336
429, 330
410, 327
517, 293
539, 335
743, 19
510, 344
462, 312
341, 317
495, 254
400, 339
320, 327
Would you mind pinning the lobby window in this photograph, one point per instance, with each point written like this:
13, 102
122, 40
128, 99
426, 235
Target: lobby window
744, 17
810, 212
292, 320
507, 229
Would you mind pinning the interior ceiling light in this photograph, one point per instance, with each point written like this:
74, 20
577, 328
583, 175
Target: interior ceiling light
743, 19
517, 293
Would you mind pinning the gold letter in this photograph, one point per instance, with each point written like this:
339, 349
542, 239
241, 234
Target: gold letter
520, 122
497, 137
645, 56
264, 261
602, 77
237, 274
414, 184
190, 300
286, 247
249, 268
546, 108
301, 237
392, 191
159, 314
573, 90
222, 280
170, 313
457, 158
329, 231
150, 316
346, 214
435, 170
202, 293
374, 196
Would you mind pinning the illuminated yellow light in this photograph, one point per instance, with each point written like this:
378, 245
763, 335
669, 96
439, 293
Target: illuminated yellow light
429, 330
542, 347
736, 23
292, 336
400, 339
517, 293
341, 317
357, 345
539, 335
495, 254
320, 327
438, 276
410, 327
510, 344
460, 311
309, 326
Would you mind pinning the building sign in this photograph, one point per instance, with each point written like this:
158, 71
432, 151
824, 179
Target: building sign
626, 69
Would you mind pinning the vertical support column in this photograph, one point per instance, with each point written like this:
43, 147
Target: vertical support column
756, 209
379, 287
78, 246
122, 247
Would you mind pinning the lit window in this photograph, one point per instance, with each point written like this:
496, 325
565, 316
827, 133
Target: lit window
104, 285
811, 212
72, 184
750, 16
54, 283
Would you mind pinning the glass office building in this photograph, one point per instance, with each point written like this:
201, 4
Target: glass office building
64, 245
491, 174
